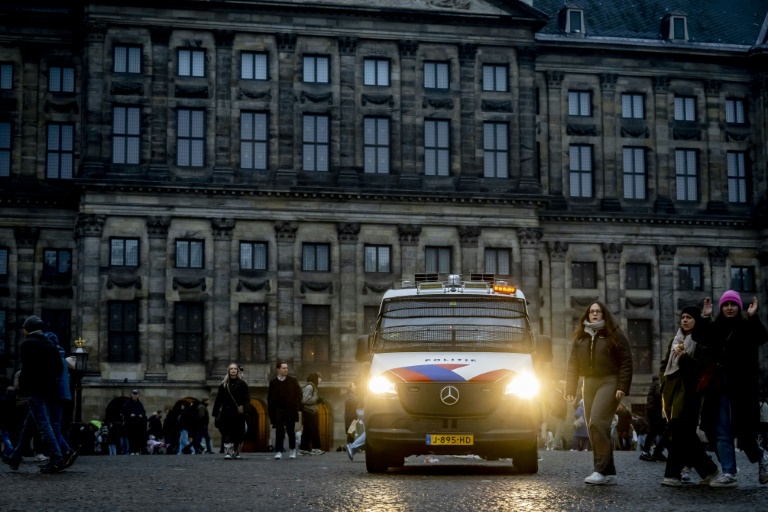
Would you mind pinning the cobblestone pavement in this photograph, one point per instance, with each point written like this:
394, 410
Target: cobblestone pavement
331, 482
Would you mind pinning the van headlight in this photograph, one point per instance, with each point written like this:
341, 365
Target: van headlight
523, 385
382, 386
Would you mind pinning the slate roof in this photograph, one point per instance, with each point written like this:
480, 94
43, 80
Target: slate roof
736, 22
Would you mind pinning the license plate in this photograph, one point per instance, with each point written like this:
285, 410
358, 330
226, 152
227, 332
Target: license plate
450, 439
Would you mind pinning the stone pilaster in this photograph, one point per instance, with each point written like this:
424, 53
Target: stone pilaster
286, 170
157, 232
713, 161
408, 235
561, 317
665, 173
158, 128
718, 257
556, 122
222, 169
470, 170
222, 348
348, 257
665, 257
93, 162
530, 239
468, 236
26, 245
608, 107
613, 287
408, 114
287, 331
348, 79
89, 230
526, 59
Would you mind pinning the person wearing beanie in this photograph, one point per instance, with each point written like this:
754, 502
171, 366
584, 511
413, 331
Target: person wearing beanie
678, 379
730, 384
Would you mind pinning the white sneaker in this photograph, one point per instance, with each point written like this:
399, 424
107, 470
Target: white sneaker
41, 458
595, 479
228, 456
293, 454
671, 482
725, 480
611, 480
710, 478
278, 455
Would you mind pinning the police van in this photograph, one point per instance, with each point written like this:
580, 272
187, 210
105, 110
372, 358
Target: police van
452, 372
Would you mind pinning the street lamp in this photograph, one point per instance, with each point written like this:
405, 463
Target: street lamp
81, 363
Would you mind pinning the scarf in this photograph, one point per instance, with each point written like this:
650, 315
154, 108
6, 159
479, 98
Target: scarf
688, 347
592, 328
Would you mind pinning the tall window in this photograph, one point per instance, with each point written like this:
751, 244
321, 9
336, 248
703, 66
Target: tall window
254, 129
316, 257
188, 332
498, 261
127, 59
316, 139
638, 276
6, 75
3, 262
735, 112
315, 334
123, 335
685, 108
689, 277
580, 103
495, 77
126, 135
632, 106
190, 253
377, 258
190, 141
737, 177
253, 256
686, 175
580, 171
61, 79
191, 62
124, 252
575, 21
57, 263
5, 149
640, 333
743, 279
61, 151
495, 150
437, 160
253, 66
634, 173
437, 260
436, 75
316, 69
253, 333
376, 145
376, 72
583, 274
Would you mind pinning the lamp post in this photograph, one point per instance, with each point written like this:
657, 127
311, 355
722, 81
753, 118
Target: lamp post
81, 363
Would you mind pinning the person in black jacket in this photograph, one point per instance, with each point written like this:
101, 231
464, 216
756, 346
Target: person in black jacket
600, 354
657, 426
229, 409
135, 424
283, 401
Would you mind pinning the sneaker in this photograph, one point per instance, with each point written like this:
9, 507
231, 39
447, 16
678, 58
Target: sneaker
41, 458
278, 455
69, 458
237, 455
710, 478
686, 477
763, 471
611, 480
350, 452
305, 452
647, 457
659, 457
228, 456
315, 451
595, 479
724, 480
13, 463
672, 482
51, 468
293, 454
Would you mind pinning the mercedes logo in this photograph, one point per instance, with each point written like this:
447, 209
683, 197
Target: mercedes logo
449, 395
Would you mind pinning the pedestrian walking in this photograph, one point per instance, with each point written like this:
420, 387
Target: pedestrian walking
283, 402
310, 437
229, 409
135, 424
580, 441
600, 354
657, 426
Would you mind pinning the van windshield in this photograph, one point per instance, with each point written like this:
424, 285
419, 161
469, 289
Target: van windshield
453, 322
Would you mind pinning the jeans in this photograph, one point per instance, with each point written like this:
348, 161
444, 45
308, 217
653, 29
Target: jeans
54, 410
724, 433
113, 449
38, 411
200, 435
284, 426
183, 441
359, 442
8, 446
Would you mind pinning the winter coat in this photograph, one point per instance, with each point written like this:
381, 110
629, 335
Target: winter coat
40, 367
593, 357
228, 400
310, 398
679, 397
284, 396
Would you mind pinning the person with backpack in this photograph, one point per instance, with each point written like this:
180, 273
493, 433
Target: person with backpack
310, 437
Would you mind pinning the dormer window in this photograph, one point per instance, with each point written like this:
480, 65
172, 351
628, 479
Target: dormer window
571, 19
674, 26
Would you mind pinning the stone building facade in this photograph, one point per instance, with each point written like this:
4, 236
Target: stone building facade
184, 184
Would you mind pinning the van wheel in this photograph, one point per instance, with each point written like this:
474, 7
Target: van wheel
375, 461
526, 459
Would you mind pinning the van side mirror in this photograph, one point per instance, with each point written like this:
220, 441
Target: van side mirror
363, 352
543, 349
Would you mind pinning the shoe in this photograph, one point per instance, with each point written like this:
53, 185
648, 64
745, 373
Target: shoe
724, 480
647, 457
611, 480
659, 457
351, 452
51, 468
293, 454
305, 452
686, 477
228, 456
237, 455
595, 479
41, 458
710, 478
672, 482
763, 471
278, 455
315, 451
13, 463
69, 458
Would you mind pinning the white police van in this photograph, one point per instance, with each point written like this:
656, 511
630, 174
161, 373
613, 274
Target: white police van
452, 372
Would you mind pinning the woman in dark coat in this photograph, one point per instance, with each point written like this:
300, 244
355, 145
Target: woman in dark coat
679, 375
602, 355
232, 402
731, 407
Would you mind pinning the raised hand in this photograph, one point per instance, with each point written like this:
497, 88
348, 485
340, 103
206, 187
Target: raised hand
752, 309
706, 310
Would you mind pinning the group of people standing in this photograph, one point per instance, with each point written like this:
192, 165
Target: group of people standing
708, 380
